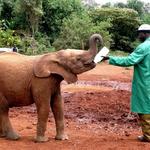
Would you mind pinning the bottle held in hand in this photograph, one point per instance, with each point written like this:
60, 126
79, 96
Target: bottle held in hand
101, 55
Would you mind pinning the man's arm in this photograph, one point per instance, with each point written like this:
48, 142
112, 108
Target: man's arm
134, 58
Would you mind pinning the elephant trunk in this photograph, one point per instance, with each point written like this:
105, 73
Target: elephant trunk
93, 41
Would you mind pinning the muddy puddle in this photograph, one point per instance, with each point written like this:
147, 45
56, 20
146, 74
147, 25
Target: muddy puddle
105, 83
99, 106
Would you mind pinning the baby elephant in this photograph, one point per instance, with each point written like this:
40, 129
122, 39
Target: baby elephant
25, 80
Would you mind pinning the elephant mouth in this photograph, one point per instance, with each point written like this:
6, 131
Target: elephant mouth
90, 64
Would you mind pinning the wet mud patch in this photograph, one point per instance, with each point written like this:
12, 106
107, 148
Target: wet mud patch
117, 85
96, 107
104, 103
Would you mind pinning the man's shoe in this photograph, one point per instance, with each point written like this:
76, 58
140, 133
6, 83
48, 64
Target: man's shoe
142, 139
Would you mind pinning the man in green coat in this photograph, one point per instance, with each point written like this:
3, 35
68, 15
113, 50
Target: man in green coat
140, 59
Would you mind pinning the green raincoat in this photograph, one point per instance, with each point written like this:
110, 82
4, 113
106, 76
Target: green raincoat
140, 59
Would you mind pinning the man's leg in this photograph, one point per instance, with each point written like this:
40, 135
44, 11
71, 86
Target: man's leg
145, 125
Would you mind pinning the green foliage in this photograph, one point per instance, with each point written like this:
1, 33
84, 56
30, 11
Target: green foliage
54, 13
136, 5
107, 5
36, 45
124, 25
20, 22
8, 39
76, 31
146, 18
102, 28
120, 5
68, 24
6, 13
118, 53
135, 43
4, 24
6, 9
26, 44
32, 9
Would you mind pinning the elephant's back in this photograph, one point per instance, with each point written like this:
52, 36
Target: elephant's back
11, 57
15, 70
15, 60
15, 64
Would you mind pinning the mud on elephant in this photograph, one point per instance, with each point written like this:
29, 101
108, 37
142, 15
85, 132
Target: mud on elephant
36, 79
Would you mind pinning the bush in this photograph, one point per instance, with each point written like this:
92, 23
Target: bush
146, 18
54, 13
76, 31
8, 39
26, 45
124, 25
38, 45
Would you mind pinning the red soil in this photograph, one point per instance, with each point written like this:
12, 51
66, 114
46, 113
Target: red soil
97, 115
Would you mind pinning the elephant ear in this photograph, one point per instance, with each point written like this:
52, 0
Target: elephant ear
44, 68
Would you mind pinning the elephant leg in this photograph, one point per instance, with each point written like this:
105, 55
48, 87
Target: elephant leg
43, 113
57, 106
6, 129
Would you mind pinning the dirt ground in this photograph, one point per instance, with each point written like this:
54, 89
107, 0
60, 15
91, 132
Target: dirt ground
97, 115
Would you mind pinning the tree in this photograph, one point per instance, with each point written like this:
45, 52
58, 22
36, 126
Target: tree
32, 9
120, 5
89, 3
124, 23
107, 5
77, 29
54, 13
6, 9
6, 12
137, 5
146, 18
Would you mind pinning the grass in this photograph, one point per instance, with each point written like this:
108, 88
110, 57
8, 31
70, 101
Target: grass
118, 53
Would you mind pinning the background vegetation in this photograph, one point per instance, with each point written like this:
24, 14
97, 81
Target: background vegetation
40, 26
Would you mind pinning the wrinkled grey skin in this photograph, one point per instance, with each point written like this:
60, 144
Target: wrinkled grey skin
36, 79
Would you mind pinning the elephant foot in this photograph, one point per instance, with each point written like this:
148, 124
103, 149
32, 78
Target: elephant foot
62, 137
12, 136
41, 139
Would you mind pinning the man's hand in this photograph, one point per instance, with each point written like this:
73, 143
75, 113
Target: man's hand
105, 58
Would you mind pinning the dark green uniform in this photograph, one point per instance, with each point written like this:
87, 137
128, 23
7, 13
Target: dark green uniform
140, 99
140, 59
